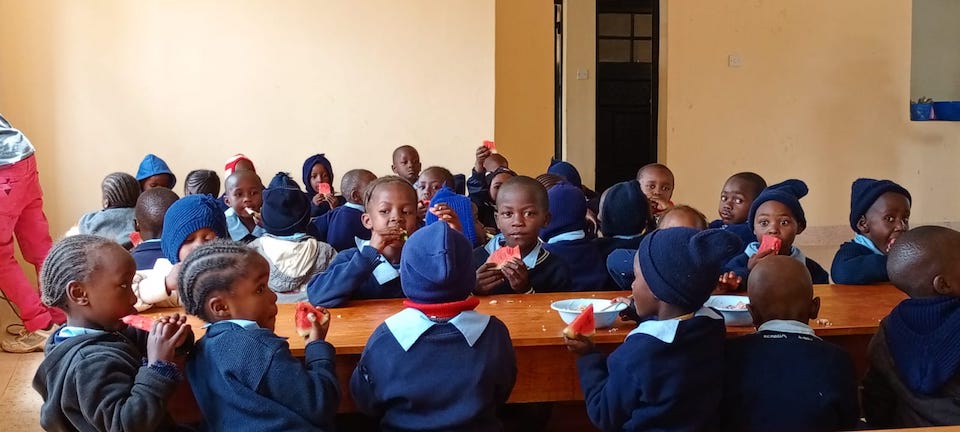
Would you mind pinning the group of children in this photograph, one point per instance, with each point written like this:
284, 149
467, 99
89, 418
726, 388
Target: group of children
229, 260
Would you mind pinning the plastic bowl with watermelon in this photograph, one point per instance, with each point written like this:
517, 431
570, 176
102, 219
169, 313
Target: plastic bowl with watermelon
569, 309
733, 308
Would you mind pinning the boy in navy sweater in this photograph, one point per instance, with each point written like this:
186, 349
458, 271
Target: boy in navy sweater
371, 269
437, 365
151, 207
657, 183
668, 373
241, 372
914, 374
565, 238
522, 211
342, 226
879, 213
736, 197
815, 385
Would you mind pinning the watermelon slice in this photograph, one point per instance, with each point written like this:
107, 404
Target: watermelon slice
769, 242
141, 322
492, 146
303, 322
504, 254
324, 189
135, 238
584, 324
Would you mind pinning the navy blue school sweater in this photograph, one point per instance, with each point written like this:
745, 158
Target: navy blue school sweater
440, 383
855, 264
324, 207
550, 274
339, 228
605, 245
738, 265
742, 230
588, 271
246, 379
476, 183
146, 254
648, 383
778, 380
351, 276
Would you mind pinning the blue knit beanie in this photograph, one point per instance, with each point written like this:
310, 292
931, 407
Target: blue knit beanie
308, 166
568, 210
865, 192
152, 165
565, 170
436, 266
285, 210
625, 210
187, 215
787, 193
460, 205
681, 265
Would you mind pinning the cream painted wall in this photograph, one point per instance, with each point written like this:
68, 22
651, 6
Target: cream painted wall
580, 96
96, 85
935, 65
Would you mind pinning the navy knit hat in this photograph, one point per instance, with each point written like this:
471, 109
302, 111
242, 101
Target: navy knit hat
865, 192
568, 210
436, 266
152, 165
187, 215
681, 265
787, 193
565, 170
625, 210
308, 166
285, 210
460, 205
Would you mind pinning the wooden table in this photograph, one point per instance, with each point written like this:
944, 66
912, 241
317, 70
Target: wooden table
546, 370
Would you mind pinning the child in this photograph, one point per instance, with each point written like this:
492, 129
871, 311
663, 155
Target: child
656, 181
914, 374
93, 375
460, 205
241, 372
405, 375
341, 227
522, 211
316, 170
244, 197
237, 162
486, 201
736, 197
428, 183
151, 208
565, 238
202, 181
486, 162
406, 163
624, 217
776, 212
682, 216
293, 256
671, 367
154, 172
815, 385
370, 270
568, 172
879, 213
120, 192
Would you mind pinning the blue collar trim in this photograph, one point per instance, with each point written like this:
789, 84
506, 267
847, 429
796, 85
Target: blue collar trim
354, 206
246, 324
409, 324
383, 272
862, 240
567, 236
237, 229
67, 332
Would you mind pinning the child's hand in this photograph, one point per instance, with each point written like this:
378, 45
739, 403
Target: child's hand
257, 219
170, 281
482, 154
331, 200
624, 300
579, 346
729, 282
318, 199
659, 205
380, 239
515, 271
164, 339
752, 262
177, 320
321, 324
446, 214
488, 277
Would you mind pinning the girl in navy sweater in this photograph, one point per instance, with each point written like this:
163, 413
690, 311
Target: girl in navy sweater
879, 213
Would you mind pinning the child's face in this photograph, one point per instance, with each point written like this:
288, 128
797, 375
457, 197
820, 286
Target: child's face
319, 174
108, 290
194, 240
159, 180
496, 182
775, 219
735, 200
363, 181
886, 219
428, 184
391, 205
250, 297
407, 164
520, 217
657, 183
247, 193
644, 301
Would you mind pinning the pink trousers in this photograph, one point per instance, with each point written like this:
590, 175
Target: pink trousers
21, 215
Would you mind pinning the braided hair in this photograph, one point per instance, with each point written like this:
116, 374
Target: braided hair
120, 190
211, 267
202, 181
70, 259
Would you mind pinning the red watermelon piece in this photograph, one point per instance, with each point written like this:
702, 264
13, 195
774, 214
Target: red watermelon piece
303, 322
492, 146
135, 238
141, 322
324, 189
584, 324
504, 254
769, 242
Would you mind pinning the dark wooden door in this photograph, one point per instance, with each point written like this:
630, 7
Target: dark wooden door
626, 88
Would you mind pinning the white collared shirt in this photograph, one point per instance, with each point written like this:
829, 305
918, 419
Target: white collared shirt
666, 330
409, 324
787, 326
384, 272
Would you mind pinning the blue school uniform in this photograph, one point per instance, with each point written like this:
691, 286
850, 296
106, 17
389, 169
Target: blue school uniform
859, 262
738, 265
356, 273
742, 230
147, 253
545, 272
238, 231
340, 227
588, 271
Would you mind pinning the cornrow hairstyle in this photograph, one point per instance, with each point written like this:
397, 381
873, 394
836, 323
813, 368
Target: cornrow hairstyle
120, 190
385, 180
70, 259
202, 181
212, 267
549, 180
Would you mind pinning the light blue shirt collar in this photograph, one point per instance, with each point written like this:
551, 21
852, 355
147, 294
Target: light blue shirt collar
237, 229
409, 324
787, 326
151, 241
627, 237
293, 237
383, 272
67, 332
863, 240
666, 330
246, 324
354, 206
795, 253
530, 259
567, 236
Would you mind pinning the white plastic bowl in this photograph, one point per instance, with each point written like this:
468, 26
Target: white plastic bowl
726, 305
569, 309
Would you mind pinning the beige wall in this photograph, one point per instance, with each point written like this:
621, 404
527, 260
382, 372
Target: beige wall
935, 66
96, 85
580, 95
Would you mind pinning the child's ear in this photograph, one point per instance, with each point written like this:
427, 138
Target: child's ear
365, 219
815, 308
218, 307
355, 196
862, 225
941, 285
105, 203
77, 293
754, 315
